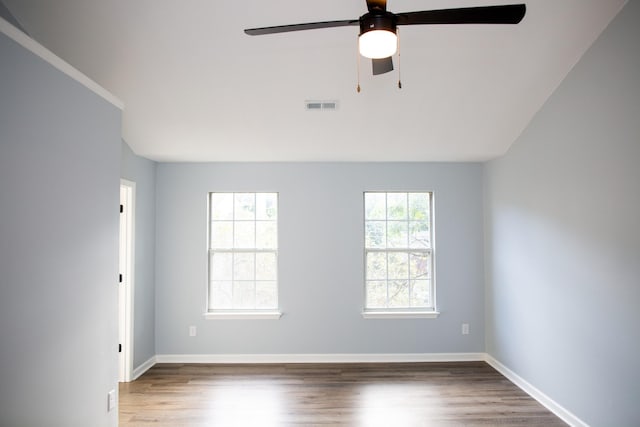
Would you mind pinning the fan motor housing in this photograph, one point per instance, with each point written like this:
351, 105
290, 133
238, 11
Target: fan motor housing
378, 20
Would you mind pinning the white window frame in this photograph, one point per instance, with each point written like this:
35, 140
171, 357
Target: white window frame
402, 312
238, 313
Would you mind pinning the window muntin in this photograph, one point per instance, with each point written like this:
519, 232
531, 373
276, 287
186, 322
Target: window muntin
243, 252
399, 251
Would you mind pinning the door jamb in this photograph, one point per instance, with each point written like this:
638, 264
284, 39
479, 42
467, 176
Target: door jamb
125, 304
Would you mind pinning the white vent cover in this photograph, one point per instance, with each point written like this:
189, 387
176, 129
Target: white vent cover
320, 105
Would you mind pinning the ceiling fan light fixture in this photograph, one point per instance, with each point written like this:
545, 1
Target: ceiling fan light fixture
377, 44
378, 37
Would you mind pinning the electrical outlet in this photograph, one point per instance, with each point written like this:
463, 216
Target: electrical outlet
111, 400
192, 331
465, 329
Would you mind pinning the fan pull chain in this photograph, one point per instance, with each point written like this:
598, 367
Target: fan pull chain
358, 68
399, 62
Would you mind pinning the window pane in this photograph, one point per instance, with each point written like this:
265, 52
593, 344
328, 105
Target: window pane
243, 239
220, 295
375, 206
376, 265
397, 234
222, 234
266, 294
398, 257
375, 234
267, 206
266, 266
420, 293
244, 235
266, 235
419, 236
221, 206
243, 266
398, 267
244, 294
221, 266
419, 266
376, 294
397, 206
398, 293
245, 208
419, 206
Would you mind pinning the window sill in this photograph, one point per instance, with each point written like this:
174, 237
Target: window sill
400, 314
247, 315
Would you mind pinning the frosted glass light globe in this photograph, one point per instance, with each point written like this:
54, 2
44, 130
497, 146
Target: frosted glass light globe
378, 44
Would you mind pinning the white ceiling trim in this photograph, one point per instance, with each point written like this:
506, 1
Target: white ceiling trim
36, 48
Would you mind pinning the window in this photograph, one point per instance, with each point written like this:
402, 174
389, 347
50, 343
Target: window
243, 253
399, 253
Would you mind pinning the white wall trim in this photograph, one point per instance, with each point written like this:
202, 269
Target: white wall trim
36, 48
320, 358
137, 372
532, 391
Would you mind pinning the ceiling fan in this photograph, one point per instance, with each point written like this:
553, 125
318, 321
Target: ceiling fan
378, 27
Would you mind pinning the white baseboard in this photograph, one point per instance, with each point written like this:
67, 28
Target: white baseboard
137, 372
532, 391
320, 358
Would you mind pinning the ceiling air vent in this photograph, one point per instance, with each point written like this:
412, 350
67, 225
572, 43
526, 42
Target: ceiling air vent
320, 105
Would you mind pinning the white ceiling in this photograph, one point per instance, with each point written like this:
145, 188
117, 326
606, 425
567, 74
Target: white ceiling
196, 88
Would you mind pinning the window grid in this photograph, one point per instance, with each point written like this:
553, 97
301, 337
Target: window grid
410, 277
383, 248
234, 251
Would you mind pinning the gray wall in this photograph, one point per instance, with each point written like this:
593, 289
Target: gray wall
143, 172
320, 259
59, 172
563, 241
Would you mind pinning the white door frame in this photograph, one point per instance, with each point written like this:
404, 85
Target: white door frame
125, 288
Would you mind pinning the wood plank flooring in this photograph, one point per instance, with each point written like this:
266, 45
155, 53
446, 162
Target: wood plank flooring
403, 394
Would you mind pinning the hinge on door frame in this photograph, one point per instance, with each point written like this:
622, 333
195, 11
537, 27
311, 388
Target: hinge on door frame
120, 278
119, 348
121, 208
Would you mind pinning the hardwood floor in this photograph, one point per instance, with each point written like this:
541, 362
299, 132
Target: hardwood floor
405, 394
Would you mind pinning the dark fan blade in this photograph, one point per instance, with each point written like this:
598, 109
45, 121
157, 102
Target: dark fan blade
300, 27
507, 14
376, 5
381, 66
